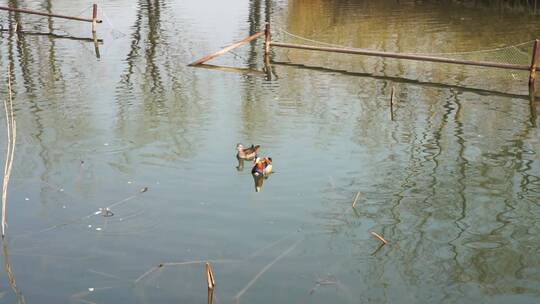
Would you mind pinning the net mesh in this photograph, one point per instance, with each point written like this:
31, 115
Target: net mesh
513, 54
519, 54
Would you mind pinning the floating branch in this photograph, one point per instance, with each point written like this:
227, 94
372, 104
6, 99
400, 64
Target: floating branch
379, 237
355, 199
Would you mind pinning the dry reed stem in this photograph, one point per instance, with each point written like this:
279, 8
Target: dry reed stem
210, 276
379, 237
12, 138
392, 104
260, 273
356, 199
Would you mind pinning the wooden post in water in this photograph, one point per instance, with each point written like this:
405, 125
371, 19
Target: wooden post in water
94, 18
532, 75
94, 28
267, 38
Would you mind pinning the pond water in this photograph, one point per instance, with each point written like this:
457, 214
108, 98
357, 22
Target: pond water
453, 182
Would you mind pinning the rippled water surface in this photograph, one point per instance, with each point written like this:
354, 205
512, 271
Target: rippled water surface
453, 182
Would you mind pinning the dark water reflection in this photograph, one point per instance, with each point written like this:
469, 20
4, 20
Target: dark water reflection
453, 182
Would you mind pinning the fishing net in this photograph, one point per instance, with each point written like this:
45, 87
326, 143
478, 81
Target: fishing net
506, 79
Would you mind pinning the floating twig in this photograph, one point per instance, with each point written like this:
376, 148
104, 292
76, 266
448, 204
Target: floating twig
355, 199
379, 237
210, 276
260, 273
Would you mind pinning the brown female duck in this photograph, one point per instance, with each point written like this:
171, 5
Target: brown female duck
246, 153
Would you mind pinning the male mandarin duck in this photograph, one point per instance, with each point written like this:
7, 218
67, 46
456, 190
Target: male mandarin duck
262, 166
246, 153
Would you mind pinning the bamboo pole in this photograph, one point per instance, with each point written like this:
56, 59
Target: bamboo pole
521, 67
227, 49
532, 75
31, 12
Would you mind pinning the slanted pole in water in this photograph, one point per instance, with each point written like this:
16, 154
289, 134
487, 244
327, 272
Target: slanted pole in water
532, 75
227, 49
32, 12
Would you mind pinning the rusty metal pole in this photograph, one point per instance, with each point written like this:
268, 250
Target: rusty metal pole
532, 75
94, 18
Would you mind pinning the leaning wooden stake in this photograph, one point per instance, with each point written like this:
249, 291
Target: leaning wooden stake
227, 49
532, 75
11, 137
379, 237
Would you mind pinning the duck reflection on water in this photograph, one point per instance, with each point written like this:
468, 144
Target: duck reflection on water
261, 170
